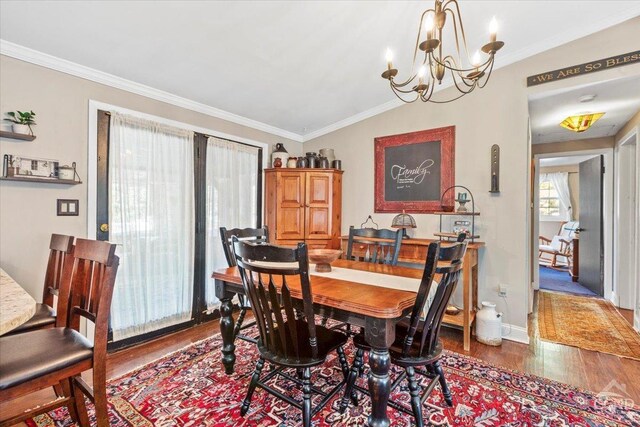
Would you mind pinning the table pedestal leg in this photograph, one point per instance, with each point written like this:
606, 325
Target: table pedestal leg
226, 328
380, 334
379, 387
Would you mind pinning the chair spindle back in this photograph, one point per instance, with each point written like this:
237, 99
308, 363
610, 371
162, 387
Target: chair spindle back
90, 286
265, 283
445, 261
377, 252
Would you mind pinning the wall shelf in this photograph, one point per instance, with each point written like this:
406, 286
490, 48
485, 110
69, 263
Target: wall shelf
41, 180
20, 136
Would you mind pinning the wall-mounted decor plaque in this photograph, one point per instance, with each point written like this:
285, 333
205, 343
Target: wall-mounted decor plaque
413, 169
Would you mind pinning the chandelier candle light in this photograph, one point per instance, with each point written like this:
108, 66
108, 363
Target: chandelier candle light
433, 64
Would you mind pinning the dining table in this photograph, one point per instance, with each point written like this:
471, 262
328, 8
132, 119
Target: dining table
16, 305
373, 296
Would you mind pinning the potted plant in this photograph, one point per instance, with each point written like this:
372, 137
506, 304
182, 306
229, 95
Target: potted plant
22, 121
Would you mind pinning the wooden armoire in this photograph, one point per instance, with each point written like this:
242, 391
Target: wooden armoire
304, 205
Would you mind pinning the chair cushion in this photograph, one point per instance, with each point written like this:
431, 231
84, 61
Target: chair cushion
328, 340
44, 316
34, 354
547, 248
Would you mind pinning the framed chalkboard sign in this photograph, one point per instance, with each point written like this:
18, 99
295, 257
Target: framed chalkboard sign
412, 170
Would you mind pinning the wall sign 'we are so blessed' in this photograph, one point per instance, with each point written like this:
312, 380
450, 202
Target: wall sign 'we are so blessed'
412, 170
586, 68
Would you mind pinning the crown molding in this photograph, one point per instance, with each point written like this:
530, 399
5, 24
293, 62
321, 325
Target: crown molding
539, 47
379, 109
52, 62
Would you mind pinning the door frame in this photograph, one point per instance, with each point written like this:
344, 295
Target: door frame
633, 291
607, 212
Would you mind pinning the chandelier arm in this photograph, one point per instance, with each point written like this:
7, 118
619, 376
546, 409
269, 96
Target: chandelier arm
416, 48
450, 100
401, 98
455, 27
462, 70
482, 85
424, 98
449, 59
403, 84
470, 87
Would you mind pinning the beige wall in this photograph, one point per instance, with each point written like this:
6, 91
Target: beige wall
576, 145
497, 114
61, 102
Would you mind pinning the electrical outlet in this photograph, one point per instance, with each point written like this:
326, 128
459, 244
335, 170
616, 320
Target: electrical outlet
502, 291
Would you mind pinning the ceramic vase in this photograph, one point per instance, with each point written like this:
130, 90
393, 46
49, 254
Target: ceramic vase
279, 153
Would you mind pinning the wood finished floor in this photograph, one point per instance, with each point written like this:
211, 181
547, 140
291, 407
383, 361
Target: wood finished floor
581, 368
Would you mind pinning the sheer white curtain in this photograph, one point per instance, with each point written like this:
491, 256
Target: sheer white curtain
152, 218
232, 191
560, 181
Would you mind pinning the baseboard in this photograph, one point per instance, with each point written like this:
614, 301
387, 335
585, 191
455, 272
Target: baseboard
515, 333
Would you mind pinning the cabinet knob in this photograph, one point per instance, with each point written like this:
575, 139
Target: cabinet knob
104, 228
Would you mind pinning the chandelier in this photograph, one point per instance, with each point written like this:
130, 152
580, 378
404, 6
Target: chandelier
431, 64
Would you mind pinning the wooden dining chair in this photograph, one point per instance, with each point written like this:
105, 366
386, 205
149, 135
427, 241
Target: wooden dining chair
286, 341
417, 347
45, 317
43, 358
254, 235
370, 249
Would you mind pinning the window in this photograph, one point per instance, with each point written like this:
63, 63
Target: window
162, 193
549, 202
551, 206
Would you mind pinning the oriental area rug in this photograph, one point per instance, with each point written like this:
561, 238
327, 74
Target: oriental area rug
589, 323
189, 388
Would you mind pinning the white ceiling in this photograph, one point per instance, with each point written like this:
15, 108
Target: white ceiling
618, 99
565, 161
302, 68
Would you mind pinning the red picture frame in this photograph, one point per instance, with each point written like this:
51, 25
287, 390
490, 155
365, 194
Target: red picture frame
426, 156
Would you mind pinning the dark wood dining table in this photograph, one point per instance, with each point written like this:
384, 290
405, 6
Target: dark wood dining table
376, 308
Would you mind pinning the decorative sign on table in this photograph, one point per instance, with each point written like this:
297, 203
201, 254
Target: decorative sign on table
412, 170
586, 68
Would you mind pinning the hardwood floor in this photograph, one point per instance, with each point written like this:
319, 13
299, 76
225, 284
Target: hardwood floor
581, 368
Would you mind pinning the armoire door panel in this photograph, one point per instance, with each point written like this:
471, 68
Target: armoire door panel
290, 215
318, 189
318, 223
290, 223
291, 189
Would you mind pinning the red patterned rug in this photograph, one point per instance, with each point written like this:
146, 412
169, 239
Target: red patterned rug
189, 388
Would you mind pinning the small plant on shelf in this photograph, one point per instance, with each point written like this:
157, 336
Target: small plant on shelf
22, 121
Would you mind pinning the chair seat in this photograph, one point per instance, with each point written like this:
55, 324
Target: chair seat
44, 316
395, 351
37, 353
328, 340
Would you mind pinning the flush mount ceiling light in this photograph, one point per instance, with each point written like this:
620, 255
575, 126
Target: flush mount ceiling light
431, 64
581, 122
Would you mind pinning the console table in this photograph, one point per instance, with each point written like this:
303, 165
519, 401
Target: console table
414, 251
